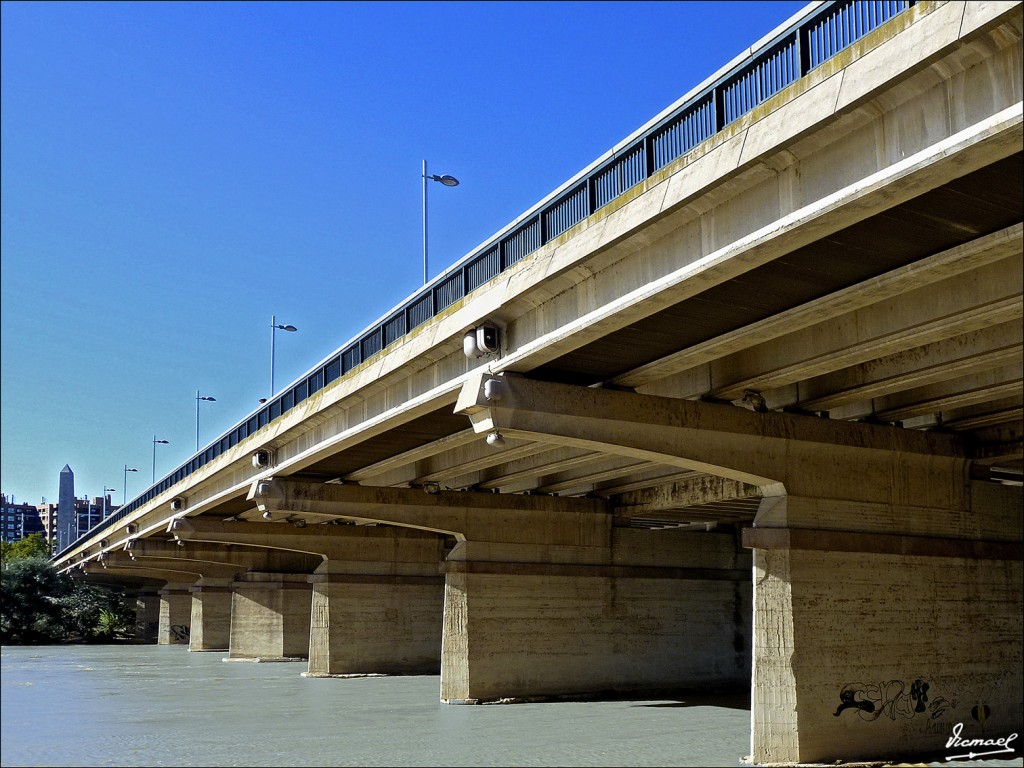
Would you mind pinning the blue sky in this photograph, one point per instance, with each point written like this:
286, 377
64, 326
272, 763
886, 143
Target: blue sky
173, 174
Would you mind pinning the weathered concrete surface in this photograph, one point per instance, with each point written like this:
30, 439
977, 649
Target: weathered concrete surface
543, 597
215, 566
375, 624
211, 615
864, 655
175, 614
270, 615
376, 594
915, 106
878, 505
147, 616
668, 610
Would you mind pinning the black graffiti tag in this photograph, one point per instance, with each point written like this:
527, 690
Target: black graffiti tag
889, 699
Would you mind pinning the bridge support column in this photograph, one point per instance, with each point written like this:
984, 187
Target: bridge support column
376, 623
147, 616
270, 615
665, 610
867, 643
175, 614
371, 606
211, 615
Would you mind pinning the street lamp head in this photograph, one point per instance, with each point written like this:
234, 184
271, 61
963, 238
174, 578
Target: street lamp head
129, 469
206, 398
288, 327
162, 442
448, 181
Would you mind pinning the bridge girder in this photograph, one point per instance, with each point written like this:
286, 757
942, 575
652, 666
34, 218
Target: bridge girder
777, 452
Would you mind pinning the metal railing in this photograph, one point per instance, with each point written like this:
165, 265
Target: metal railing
816, 36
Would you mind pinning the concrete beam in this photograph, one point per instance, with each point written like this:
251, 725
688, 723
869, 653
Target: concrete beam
240, 557
987, 296
945, 264
969, 353
96, 574
987, 141
410, 457
778, 452
198, 568
694, 491
316, 544
163, 575
462, 514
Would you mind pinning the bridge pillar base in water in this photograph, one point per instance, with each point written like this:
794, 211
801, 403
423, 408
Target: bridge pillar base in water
376, 623
869, 644
147, 617
211, 615
658, 611
270, 615
175, 614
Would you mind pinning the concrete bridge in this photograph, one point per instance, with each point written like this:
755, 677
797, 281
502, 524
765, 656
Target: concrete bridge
738, 405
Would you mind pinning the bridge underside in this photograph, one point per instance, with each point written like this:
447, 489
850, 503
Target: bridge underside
759, 423
781, 337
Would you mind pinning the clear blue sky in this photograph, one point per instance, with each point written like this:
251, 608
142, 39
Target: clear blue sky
175, 173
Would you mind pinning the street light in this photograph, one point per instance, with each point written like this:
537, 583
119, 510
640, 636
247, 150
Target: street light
161, 442
198, 398
105, 489
448, 181
273, 330
124, 491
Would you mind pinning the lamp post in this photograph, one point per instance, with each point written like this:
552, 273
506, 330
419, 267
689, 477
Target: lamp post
161, 442
448, 181
105, 489
198, 398
124, 491
273, 330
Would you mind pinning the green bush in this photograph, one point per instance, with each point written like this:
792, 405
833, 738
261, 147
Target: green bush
39, 605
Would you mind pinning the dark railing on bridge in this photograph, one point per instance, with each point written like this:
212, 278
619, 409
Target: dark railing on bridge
813, 39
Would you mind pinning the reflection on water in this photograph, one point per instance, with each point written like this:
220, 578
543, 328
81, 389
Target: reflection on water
161, 705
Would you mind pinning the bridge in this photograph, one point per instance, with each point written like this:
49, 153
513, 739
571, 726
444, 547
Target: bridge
738, 405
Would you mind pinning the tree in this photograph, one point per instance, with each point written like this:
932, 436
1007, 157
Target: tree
30, 608
96, 613
31, 546
40, 605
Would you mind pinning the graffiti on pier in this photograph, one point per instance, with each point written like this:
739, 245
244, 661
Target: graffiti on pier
179, 632
891, 699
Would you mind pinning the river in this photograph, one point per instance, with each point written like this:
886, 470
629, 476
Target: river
146, 705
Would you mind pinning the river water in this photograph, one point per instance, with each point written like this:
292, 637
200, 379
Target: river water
147, 705
96, 705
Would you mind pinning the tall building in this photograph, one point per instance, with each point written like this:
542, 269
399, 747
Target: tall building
88, 512
67, 523
18, 520
48, 516
62, 523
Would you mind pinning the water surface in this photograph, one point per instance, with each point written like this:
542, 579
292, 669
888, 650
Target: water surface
147, 705
129, 705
